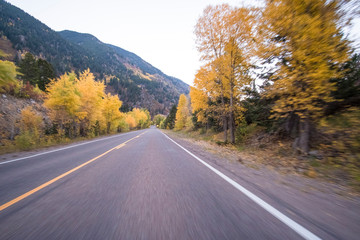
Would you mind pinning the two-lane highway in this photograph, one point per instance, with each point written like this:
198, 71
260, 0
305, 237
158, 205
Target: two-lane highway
139, 185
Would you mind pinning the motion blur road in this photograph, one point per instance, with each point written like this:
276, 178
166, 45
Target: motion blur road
145, 187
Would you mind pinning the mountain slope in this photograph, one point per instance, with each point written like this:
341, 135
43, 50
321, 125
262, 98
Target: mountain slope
137, 82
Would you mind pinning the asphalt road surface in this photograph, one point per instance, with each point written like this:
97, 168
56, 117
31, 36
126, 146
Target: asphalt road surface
138, 185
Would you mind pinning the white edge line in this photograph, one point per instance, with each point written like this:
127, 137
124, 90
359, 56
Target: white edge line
60, 149
276, 213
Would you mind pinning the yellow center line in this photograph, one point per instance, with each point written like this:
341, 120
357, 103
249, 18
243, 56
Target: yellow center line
25, 195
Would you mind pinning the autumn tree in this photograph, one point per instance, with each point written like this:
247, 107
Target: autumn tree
110, 110
224, 38
63, 102
182, 113
210, 40
158, 119
130, 121
8, 73
306, 37
91, 94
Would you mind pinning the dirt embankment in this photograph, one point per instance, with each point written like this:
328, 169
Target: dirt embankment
10, 115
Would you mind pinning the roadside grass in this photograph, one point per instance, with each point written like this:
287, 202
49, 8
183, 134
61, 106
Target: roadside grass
27, 144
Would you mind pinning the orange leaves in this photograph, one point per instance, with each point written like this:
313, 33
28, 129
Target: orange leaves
138, 118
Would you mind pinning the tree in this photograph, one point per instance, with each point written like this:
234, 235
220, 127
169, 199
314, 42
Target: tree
29, 69
306, 37
182, 113
170, 119
36, 71
91, 94
45, 73
110, 111
158, 119
63, 101
224, 36
8, 73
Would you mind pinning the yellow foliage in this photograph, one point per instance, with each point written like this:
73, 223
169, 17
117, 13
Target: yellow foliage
110, 110
81, 105
7, 74
63, 100
130, 120
224, 39
91, 98
141, 117
307, 35
30, 121
30, 129
182, 113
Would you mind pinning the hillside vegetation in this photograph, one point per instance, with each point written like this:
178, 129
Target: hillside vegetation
138, 83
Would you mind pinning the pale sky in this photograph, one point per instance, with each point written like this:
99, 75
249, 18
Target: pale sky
159, 31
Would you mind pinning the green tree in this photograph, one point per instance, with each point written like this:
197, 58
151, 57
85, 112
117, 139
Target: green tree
158, 119
29, 69
45, 73
170, 119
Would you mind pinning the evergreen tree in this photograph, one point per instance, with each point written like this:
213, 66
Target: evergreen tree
45, 73
29, 69
170, 119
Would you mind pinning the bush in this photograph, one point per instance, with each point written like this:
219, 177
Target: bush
244, 131
25, 141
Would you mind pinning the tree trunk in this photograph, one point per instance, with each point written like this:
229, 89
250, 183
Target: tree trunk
108, 126
231, 115
225, 127
302, 142
232, 127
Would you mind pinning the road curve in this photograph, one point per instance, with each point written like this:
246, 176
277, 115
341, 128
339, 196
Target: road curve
139, 185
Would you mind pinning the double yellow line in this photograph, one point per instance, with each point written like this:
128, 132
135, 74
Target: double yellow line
25, 195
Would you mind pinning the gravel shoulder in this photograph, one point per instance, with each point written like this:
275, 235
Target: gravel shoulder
327, 206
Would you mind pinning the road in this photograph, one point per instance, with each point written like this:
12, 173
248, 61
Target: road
139, 185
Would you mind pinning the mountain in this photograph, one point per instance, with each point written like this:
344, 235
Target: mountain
137, 82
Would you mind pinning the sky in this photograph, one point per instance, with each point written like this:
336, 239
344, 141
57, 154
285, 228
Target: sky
159, 31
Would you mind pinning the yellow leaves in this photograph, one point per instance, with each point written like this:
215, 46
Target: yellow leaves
110, 111
92, 94
130, 120
312, 47
30, 121
182, 113
225, 40
139, 118
63, 99
82, 101
7, 73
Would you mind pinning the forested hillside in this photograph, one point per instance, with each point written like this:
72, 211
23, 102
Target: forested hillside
137, 82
